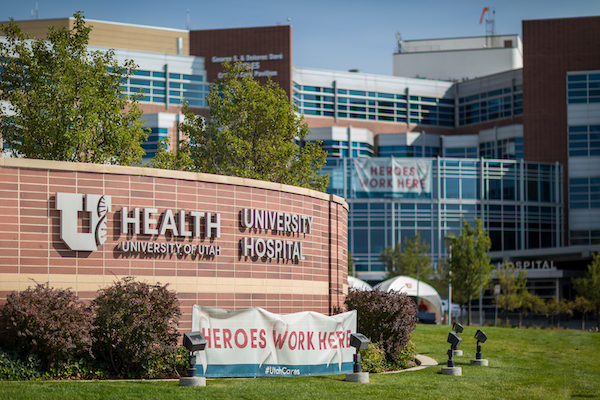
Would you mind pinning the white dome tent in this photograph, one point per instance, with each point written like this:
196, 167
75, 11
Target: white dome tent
428, 299
357, 284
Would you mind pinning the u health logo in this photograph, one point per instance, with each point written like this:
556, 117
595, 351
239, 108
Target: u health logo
69, 205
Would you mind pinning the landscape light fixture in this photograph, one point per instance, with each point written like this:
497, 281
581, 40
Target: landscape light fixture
456, 327
481, 338
193, 341
454, 341
359, 342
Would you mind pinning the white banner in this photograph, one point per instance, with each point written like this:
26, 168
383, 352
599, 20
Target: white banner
255, 342
392, 176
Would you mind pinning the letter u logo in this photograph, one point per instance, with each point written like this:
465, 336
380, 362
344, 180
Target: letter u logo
69, 205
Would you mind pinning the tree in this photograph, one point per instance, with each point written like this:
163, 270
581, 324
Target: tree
253, 132
528, 302
555, 307
414, 261
512, 285
135, 325
65, 103
470, 264
589, 286
585, 306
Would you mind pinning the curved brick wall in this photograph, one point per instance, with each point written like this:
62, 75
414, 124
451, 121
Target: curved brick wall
201, 242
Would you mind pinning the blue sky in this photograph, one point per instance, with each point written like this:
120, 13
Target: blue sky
328, 34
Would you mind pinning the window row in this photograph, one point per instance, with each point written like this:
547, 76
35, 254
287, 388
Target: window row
583, 88
584, 140
584, 193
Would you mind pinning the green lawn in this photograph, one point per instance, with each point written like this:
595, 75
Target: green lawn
523, 364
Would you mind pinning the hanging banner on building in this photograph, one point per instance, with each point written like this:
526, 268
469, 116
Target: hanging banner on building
391, 177
254, 342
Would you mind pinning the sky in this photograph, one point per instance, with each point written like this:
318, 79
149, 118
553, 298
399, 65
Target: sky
327, 34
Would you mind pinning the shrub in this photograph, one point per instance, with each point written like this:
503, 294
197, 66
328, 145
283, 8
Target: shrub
14, 367
51, 323
136, 325
386, 317
405, 358
373, 358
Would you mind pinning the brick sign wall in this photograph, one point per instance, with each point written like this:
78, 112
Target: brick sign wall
217, 241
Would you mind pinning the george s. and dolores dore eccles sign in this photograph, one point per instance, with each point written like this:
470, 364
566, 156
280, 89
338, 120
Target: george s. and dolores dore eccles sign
180, 224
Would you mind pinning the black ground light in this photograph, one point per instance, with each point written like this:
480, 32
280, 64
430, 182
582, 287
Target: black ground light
481, 338
454, 341
193, 341
458, 328
359, 342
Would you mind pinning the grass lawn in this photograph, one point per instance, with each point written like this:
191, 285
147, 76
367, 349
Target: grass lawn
523, 364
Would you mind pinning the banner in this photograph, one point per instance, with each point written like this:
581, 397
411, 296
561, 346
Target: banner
391, 177
254, 342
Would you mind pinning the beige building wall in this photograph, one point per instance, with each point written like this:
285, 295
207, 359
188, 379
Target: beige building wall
119, 36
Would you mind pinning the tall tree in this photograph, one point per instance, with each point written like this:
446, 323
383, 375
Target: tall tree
412, 259
64, 102
589, 286
512, 284
253, 132
470, 264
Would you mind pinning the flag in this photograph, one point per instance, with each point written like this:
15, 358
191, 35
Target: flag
482, 14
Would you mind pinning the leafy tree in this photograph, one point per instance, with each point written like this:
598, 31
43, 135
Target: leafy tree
555, 307
351, 265
589, 286
136, 326
65, 103
528, 302
585, 306
439, 279
413, 261
512, 285
470, 264
50, 323
252, 132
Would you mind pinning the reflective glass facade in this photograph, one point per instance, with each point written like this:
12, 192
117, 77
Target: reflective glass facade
160, 87
374, 106
519, 202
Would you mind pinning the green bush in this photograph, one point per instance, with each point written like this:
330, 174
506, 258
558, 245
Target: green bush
14, 367
386, 317
405, 358
173, 364
135, 327
51, 323
373, 358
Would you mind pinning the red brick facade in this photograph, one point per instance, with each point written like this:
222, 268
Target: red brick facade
31, 247
552, 48
267, 49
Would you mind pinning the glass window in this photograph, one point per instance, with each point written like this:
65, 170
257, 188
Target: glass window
452, 188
